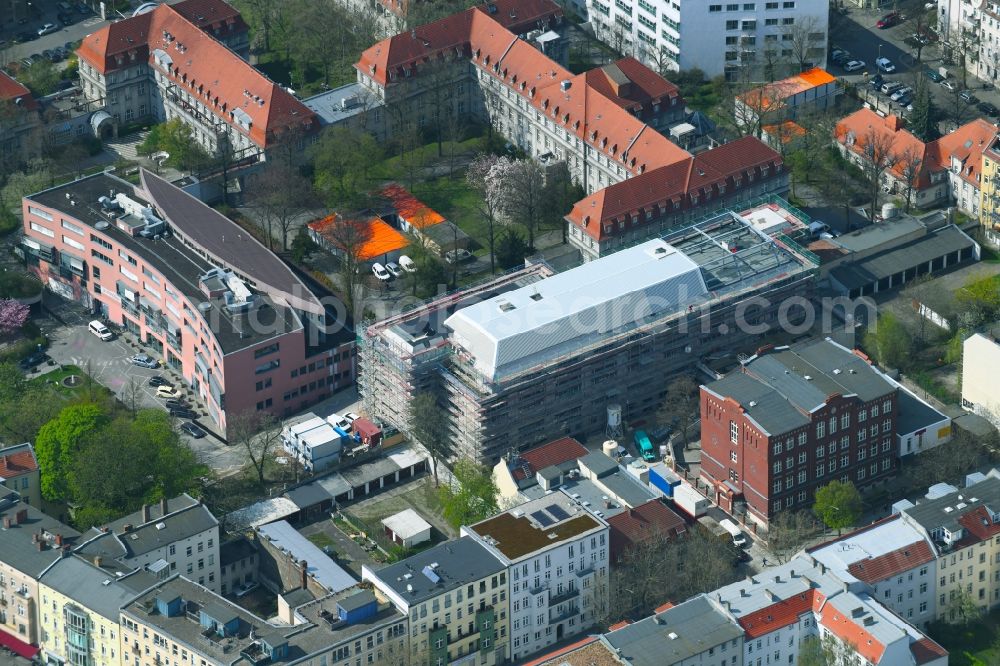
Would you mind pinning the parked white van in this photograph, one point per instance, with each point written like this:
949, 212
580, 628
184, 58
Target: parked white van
738, 539
100, 330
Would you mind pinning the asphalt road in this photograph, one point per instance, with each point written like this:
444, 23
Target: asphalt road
859, 36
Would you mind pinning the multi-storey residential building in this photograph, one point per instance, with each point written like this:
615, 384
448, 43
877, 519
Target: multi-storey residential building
198, 291
896, 561
19, 472
980, 355
30, 542
179, 535
972, 27
716, 38
964, 527
603, 124
178, 621
79, 608
455, 598
168, 63
556, 556
791, 420
22, 118
989, 191
516, 369
934, 173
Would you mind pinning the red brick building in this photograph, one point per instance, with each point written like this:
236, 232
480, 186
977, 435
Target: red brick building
792, 419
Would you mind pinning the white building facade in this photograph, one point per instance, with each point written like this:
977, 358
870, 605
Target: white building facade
718, 38
557, 557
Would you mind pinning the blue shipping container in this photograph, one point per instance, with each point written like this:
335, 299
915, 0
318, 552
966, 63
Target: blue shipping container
664, 485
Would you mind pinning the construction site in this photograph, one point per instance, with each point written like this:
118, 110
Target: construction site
534, 355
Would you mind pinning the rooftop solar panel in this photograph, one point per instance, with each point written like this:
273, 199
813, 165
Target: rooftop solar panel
557, 512
542, 518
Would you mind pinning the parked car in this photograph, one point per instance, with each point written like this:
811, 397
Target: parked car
83, 9
967, 97
25, 36
48, 29
145, 361
177, 404
157, 380
906, 101
183, 413
393, 268
167, 392
458, 256
948, 84
876, 82
889, 20
900, 93
889, 87
244, 589
338, 421
839, 56
885, 65
34, 360
100, 330
380, 272
407, 264
988, 109
933, 76
192, 429
854, 65
66, 19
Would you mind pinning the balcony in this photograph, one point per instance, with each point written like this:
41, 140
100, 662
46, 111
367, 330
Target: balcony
565, 595
569, 611
209, 123
538, 589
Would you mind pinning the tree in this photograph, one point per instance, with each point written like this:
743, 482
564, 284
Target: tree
680, 408
12, 383
558, 197
429, 275
429, 427
922, 122
280, 194
471, 495
958, 109
41, 78
13, 315
838, 504
348, 235
178, 141
58, 444
979, 297
961, 609
511, 248
888, 341
342, 160
787, 533
22, 416
257, 433
825, 651
911, 165
486, 176
879, 156
950, 462
524, 187
36, 177
302, 246
129, 462
131, 396
806, 39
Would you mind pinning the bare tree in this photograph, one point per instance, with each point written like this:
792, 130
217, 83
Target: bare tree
428, 425
280, 194
257, 433
879, 157
439, 77
911, 166
131, 396
680, 407
524, 188
788, 532
348, 235
806, 40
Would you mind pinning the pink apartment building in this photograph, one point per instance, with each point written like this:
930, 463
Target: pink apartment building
213, 302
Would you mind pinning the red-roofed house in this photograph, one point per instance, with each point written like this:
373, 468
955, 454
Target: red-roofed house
172, 62
947, 169
642, 523
19, 119
516, 472
602, 124
19, 472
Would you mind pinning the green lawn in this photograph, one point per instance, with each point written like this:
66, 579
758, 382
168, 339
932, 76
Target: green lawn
975, 645
52, 382
322, 540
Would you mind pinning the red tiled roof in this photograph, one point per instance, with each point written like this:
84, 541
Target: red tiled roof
926, 650
778, 615
852, 633
640, 523
665, 606
645, 88
19, 462
11, 89
875, 569
383, 240
416, 213
978, 524
561, 651
213, 16
967, 144
858, 128
203, 68
553, 453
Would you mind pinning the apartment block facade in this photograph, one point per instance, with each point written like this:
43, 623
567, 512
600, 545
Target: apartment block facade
973, 27
719, 39
989, 191
200, 293
167, 62
790, 420
556, 555
454, 597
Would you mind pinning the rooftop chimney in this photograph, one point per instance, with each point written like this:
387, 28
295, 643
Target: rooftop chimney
145, 513
163, 507
304, 571
98, 560
40, 545
59, 540
21, 516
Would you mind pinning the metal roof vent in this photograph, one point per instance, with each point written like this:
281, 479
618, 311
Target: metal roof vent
808, 378
506, 306
672, 636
